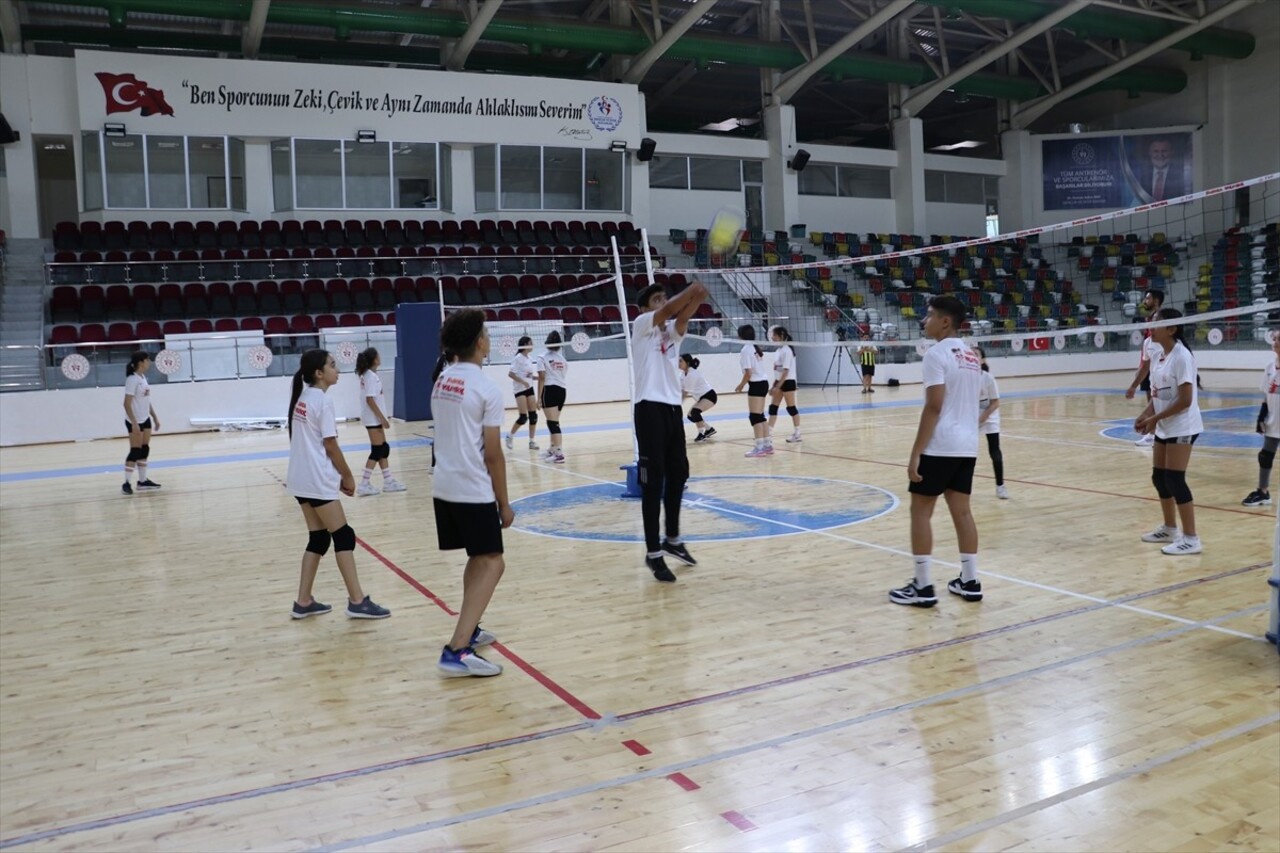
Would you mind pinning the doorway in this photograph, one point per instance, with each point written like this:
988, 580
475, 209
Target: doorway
753, 202
56, 181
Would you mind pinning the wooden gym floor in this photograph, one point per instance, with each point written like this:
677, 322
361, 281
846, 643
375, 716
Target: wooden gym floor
155, 694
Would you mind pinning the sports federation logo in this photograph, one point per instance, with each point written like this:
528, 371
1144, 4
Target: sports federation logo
126, 93
1082, 154
605, 113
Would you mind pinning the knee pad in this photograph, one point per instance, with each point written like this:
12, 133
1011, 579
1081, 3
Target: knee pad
793, 410
756, 418
553, 427
1176, 482
1265, 458
144, 451
344, 539
384, 451
1158, 480
318, 542
533, 418
695, 415
134, 454
773, 411
522, 420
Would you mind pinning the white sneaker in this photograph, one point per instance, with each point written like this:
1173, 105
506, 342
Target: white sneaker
1146, 441
1002, 492
1162, 534
1184, 545
511, 444
393, 486
794, 438
548, 453
557, 458
533, 445
364, 490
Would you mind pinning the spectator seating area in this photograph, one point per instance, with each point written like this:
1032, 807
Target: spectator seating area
1244, 269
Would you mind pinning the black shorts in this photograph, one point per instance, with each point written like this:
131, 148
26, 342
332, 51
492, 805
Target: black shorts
1145, 387
868, 370
661, 444
528, 392
788, 385
710, 397
944, 473
145, 425
1177, 439
315, 503
373, 426
553, 396
476, 527
758, 389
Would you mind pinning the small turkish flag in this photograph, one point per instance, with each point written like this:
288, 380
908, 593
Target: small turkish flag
126, 93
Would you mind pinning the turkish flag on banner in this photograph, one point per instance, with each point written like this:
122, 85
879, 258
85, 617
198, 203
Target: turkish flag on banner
1038, 343
126, 93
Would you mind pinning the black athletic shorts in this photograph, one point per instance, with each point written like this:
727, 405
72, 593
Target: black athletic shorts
315, 503
758, 389
145, 425
1177, 439
868, 370
528, 392
1145, 387
476, 527
710, 397
944, 473
788, 385
553, 396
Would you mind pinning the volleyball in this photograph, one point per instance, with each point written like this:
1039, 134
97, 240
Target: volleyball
726, 227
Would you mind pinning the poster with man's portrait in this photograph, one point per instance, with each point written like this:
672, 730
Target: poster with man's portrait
1107, 172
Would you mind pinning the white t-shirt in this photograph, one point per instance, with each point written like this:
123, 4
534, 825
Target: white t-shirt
784, 359
523, 367
751, 361
464, 402
552, 363
1168, 373
138, 391
695, 384
1149, 349
990, 391
656, 350
371, 386
311, 473
1270, 387
952, 364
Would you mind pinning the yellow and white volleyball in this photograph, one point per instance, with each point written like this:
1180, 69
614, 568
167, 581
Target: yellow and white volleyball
726, 228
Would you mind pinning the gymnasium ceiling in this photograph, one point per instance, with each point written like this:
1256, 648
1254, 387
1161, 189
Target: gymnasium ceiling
719, 57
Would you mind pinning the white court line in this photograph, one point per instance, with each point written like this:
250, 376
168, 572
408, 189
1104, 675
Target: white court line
1117, 445
1044, 587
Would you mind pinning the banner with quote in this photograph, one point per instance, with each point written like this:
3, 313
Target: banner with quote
1108, 172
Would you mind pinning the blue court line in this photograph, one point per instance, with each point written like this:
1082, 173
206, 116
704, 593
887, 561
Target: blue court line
58, 473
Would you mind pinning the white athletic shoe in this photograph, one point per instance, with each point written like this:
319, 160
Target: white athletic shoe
1184, 545
510, 442
1146, 441
1002, 492
794, 438
365, 490
533, 445
393, 486
1162, 534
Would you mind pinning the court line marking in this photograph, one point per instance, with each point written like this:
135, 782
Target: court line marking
947, 563
773, 743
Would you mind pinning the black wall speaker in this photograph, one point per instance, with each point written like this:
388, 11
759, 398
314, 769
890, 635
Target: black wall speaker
7, 134
799, 160
645, 152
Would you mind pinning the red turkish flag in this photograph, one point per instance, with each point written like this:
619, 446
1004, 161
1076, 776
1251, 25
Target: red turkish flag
126, 93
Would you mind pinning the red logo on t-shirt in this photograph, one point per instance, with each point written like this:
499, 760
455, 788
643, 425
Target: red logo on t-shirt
452, 388
300, 410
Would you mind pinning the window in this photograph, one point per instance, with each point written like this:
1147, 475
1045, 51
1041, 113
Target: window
91, 150
752, 171
486, 159
845, 181
955, 187
126, 172
413, 166
669, 173
604, 180
520, 177
528, 177
318, 172
282, 174
338, 174
367, 175
818, 179
167, 171
163, 172
710, 173
562, 178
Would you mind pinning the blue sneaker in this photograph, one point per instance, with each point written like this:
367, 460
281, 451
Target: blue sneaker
465, 662
315, 608
481, 637
367, 610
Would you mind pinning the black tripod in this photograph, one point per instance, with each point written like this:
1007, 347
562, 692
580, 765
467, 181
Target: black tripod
837, 363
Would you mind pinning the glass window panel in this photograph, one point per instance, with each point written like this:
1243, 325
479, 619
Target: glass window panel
207, 159
671, 173
964, 188
864, 182
318, 165
236, 153
282, 173
368, 175
707, 173
444, 163
818, 179
91, 154
753, 171
485, 157
604, 180
414, 167
521, 167
991, 187
562, 182
167, 171
935, 186
126, 185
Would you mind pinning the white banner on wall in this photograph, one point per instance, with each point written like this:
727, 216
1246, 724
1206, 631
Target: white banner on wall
191, 97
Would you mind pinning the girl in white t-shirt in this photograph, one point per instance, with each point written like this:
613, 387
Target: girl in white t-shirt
751, 360
694, 384
552, 369
784, 383
375, 421
1173, 415
1268, 426
989, 421
139, 419
317, 476
523, 374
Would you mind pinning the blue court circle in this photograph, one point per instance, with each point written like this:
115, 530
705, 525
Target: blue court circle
716, 509
1226, 427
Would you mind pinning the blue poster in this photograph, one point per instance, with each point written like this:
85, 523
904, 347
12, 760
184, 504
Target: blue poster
1108, 172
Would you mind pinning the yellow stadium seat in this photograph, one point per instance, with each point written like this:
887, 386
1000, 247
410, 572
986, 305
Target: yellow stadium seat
980, 312
1010, 325
1108, 285
908, 313
857, 299
815, 237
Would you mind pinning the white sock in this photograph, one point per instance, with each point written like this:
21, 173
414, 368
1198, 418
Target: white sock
128, 473
1194, 540
386, 474
364, 478
968, 567
759, 444
142, 472
924, 569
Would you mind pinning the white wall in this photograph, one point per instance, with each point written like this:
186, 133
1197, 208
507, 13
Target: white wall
859, 215
687, 209
958, 220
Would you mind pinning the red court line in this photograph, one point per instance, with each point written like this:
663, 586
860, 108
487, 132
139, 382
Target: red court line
684, 781
739, 821
636, 747
533, 672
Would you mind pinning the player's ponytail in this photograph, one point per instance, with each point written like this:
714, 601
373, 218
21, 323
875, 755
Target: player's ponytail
311, 361
690, 360
134, 360
365, 360
747, 332
982, 356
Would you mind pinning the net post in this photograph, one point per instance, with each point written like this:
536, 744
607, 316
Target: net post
626, 335
648, 258
1273, 624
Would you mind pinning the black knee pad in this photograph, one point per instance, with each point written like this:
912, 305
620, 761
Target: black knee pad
144, 451
1158, 480
344, 539
793, 410
1265, 458
1176, 482
522, 420
134, 454
553, 427
384, 451
695, 415
318, 542
773, 411
756, 418
533, 418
